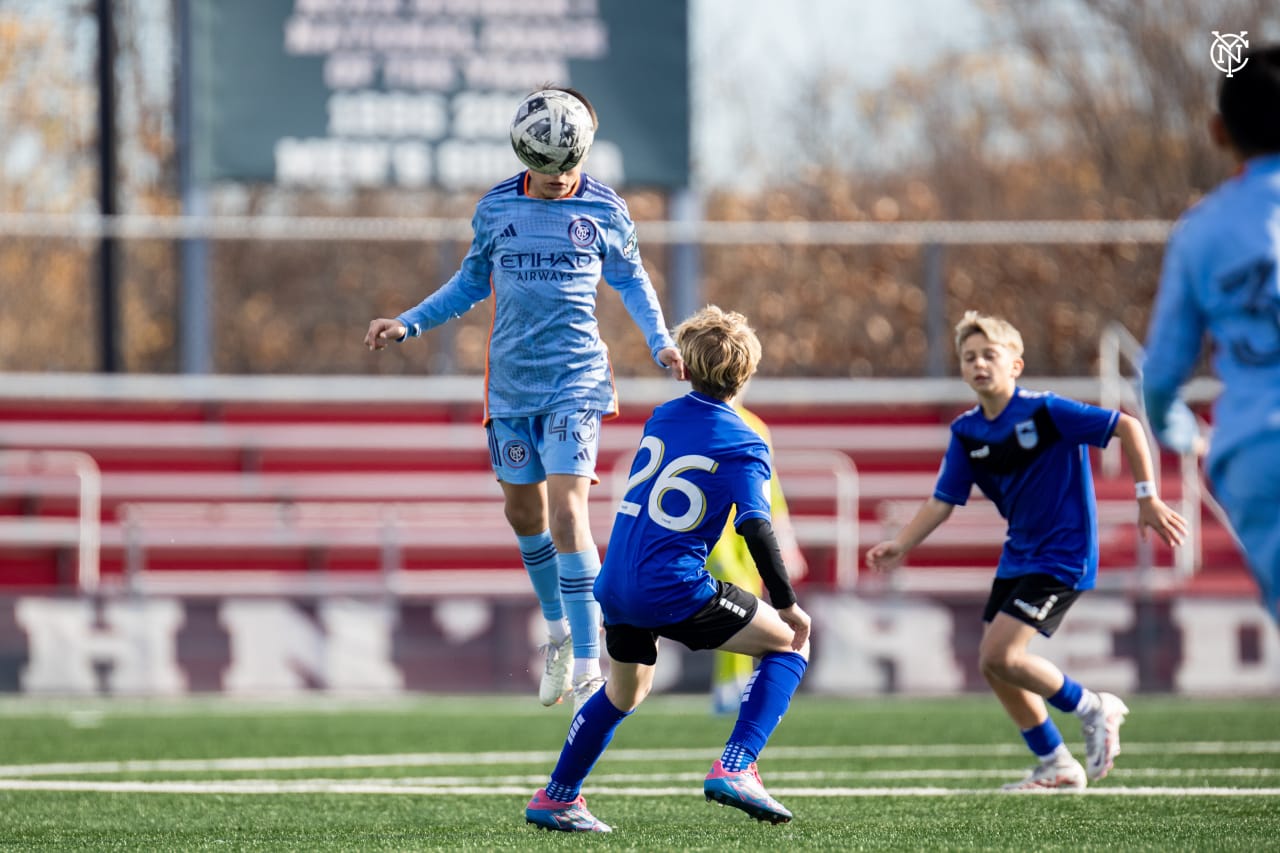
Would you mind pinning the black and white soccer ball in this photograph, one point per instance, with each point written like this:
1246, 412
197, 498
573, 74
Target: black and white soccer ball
552, 131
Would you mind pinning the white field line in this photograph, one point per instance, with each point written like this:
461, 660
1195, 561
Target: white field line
304, 787
543, 758
531, 781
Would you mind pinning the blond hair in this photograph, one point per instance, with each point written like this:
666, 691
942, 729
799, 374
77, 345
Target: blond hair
996, 329
720, 351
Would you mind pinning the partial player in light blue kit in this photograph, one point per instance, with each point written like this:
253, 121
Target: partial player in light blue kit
1221, 277
697, 461
1028, 453
543, 240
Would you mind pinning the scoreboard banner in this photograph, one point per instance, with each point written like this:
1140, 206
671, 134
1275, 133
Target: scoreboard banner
420, 93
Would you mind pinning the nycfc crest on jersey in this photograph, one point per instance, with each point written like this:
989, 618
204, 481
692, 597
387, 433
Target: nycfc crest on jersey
582, 232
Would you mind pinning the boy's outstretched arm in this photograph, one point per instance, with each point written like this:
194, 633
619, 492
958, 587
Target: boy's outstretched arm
1152, 512
889, 553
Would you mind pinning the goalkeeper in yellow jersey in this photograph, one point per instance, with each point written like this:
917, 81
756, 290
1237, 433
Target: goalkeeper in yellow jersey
731, 561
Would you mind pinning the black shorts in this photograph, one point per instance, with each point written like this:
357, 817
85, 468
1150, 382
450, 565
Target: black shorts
1039, 600
728, 612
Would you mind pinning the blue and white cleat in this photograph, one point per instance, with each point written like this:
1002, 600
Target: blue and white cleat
744, 790
546, 813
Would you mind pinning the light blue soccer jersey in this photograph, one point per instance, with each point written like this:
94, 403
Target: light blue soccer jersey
697, 460
1031, 461
1221, 275
542, 260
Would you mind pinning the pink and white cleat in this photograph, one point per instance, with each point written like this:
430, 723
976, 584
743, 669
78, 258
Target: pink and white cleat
546, 813
744, 790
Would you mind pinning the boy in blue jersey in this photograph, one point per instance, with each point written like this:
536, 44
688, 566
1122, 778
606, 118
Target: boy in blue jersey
1221, 275
697, 461
1027, 451
543, 240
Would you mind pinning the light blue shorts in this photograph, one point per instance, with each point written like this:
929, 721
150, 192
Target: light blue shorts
1248, 487
525, 450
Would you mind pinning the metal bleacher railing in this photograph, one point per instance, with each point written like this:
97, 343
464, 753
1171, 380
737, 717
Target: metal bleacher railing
219, 511
25, 472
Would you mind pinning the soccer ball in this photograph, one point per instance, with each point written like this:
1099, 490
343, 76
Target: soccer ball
552, 131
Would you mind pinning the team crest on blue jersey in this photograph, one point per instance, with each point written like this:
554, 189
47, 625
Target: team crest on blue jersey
1027, 435
516, 453
582, 232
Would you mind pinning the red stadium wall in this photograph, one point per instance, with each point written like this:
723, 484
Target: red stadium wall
339, 509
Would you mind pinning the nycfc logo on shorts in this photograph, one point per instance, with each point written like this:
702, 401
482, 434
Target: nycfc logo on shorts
1036, 613
516, 453
582, 232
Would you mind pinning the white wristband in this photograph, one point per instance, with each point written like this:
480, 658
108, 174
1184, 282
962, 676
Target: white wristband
1145, 489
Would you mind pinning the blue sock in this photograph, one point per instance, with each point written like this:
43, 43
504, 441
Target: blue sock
1068, 695
766, 698
577, 575
1044, 739
539, 557
589, 734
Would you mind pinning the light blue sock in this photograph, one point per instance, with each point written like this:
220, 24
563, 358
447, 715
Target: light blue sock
766, 698
589, 735
577, 576
539, 557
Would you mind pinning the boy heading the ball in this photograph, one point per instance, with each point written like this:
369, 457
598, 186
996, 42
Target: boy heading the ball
543, 240
1028, 452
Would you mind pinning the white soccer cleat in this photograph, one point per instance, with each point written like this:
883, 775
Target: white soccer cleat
1102, 735
1056, 774
557, 672
584, 690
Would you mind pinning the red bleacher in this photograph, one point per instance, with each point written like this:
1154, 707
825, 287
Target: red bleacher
242, 489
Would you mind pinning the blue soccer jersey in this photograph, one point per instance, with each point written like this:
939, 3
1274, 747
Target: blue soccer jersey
542, 260
1221, 275
697, 460
1031, 461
